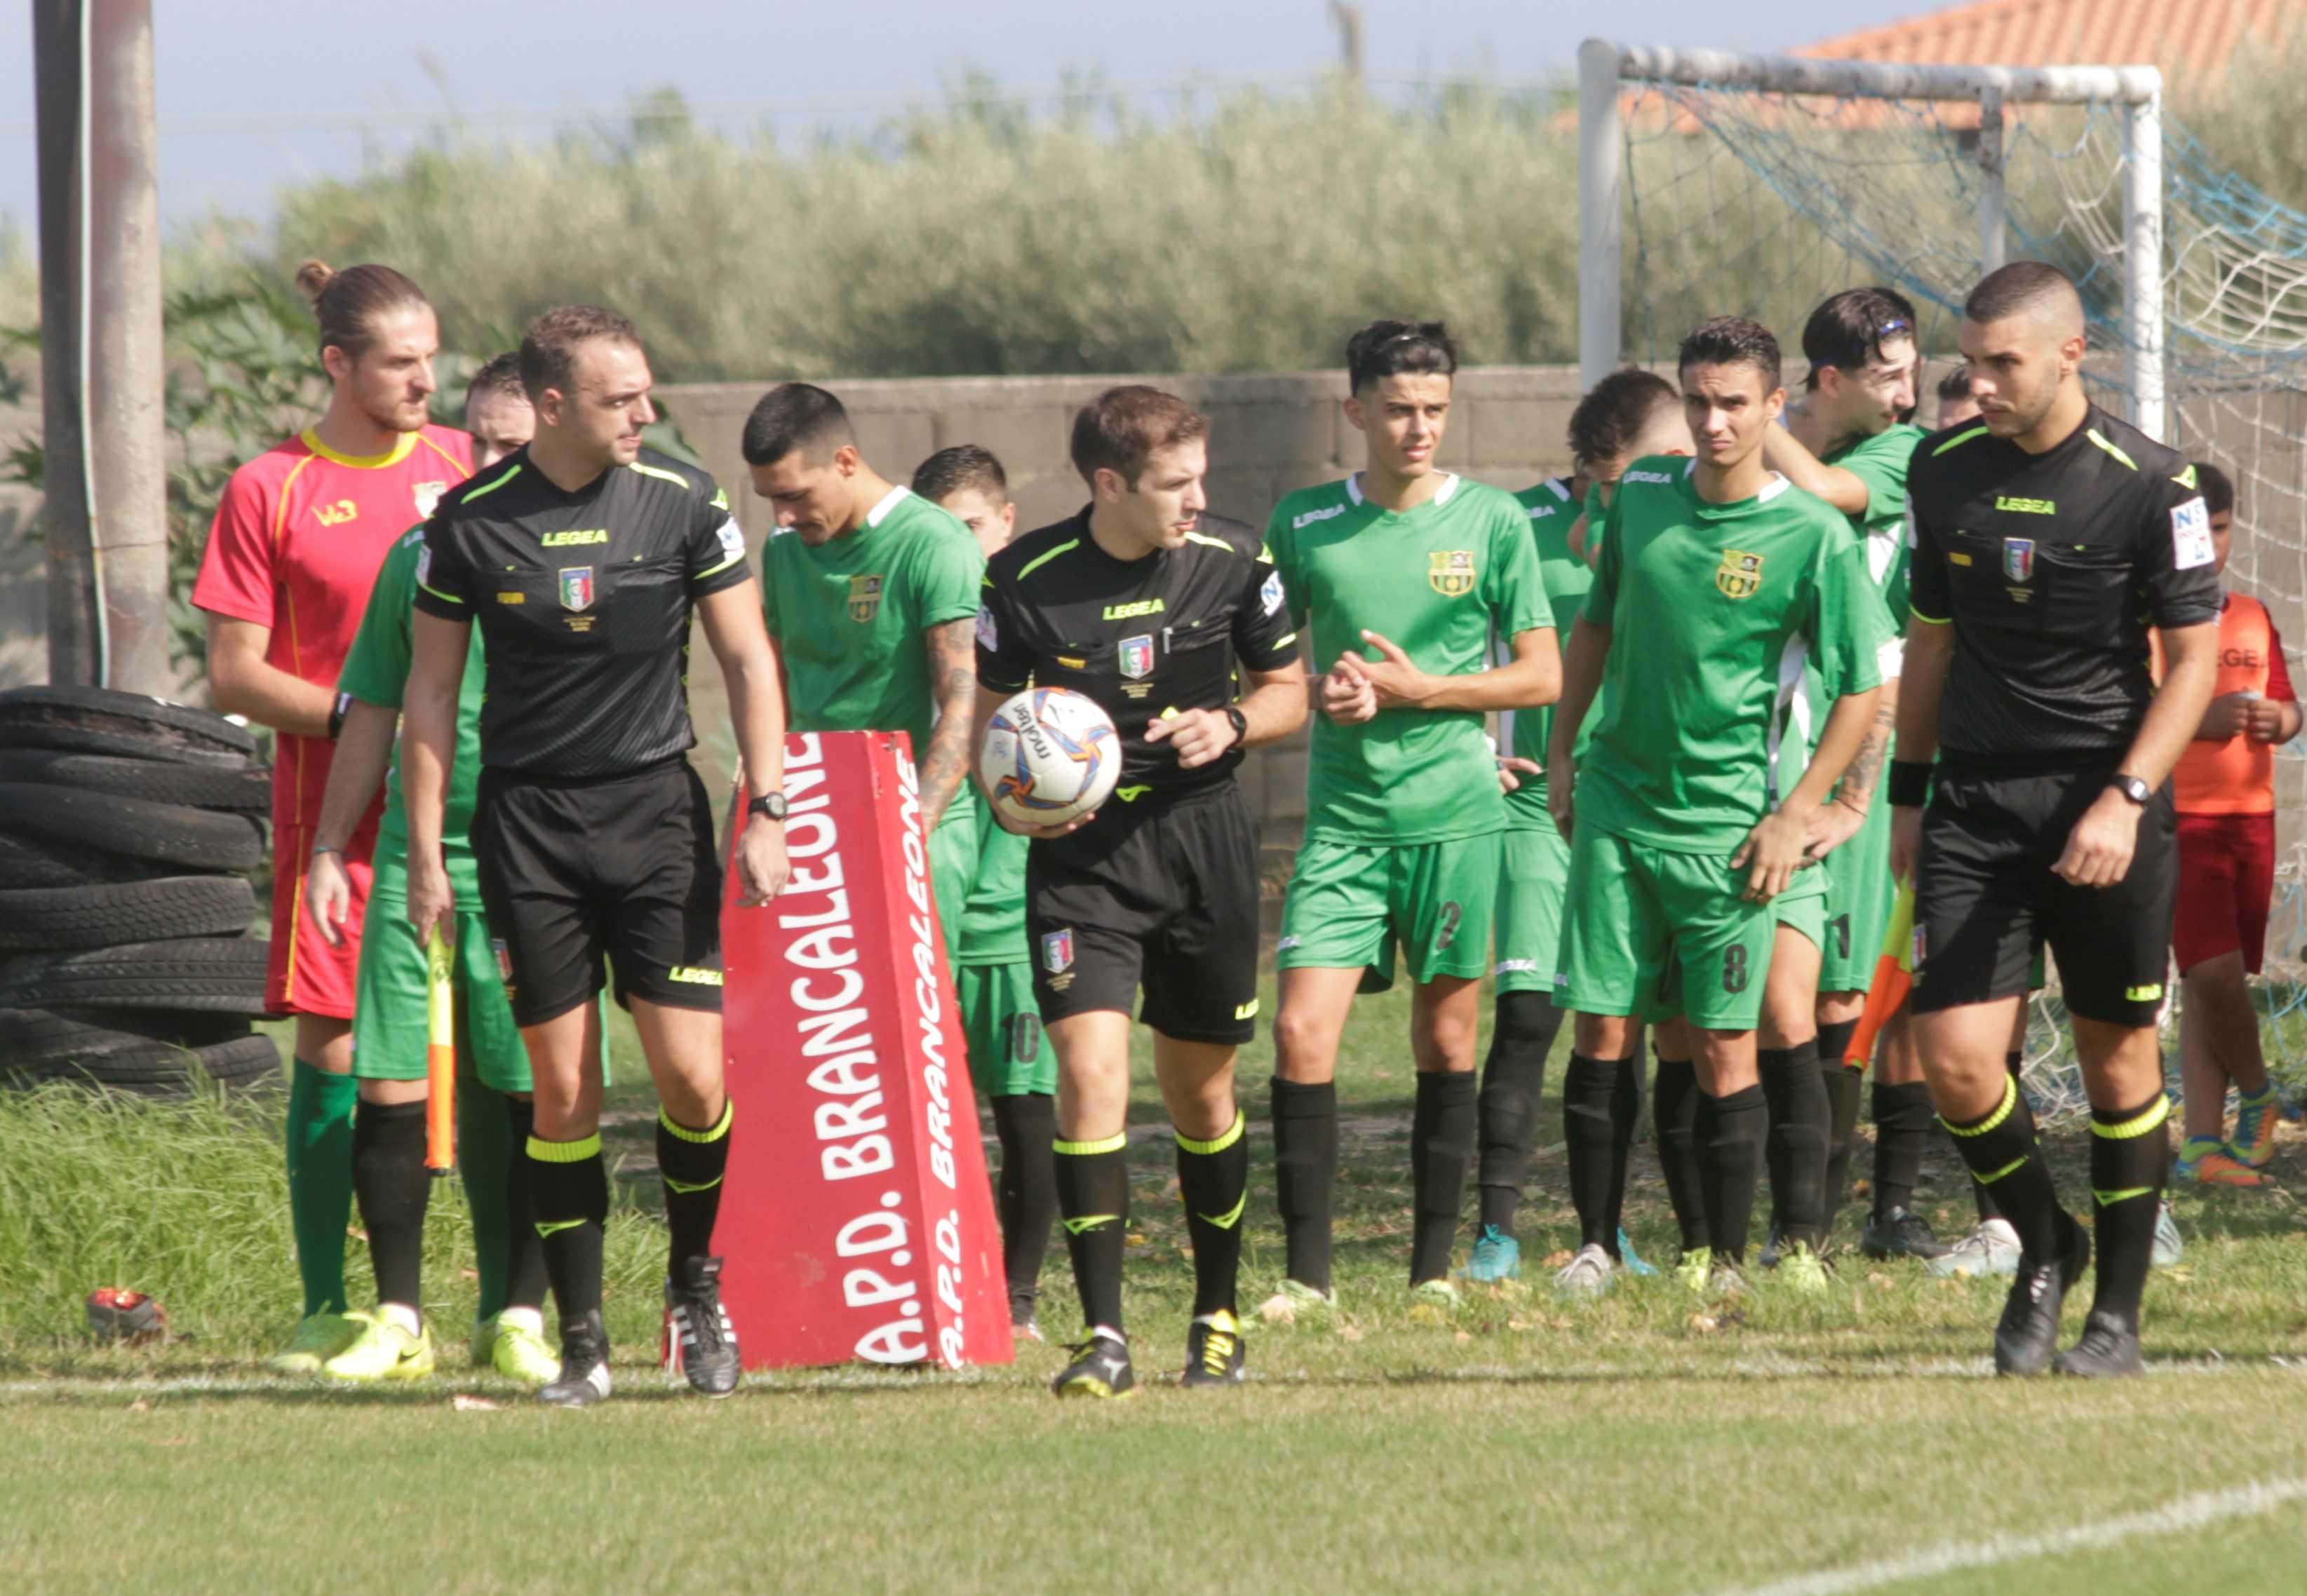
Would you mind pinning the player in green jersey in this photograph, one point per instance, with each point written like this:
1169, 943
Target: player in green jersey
1010, 1056
1405, 571
1629, 414
1849, 446
1713, 571
871, 594
388, 1030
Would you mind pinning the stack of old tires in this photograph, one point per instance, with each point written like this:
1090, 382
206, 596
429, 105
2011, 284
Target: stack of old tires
127, 826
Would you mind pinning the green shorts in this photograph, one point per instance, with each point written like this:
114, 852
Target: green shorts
390, 1026
1349, 905
1802, 906
1859, 897
1653, 933
1009, 1053
1533, 869
953, 871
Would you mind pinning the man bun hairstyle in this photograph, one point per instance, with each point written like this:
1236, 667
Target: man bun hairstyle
964, 466
548, 349
2021, 286
1123, 427
795, 415
499, 377
1388, 348
1615, 413
347, 303
1847, 330
2218, 488
1731, 341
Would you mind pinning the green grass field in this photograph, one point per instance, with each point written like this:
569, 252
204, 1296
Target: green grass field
1644, 1443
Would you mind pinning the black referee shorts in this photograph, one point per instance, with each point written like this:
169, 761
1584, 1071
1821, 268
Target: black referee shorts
1159, 893
1986, 896
623, 867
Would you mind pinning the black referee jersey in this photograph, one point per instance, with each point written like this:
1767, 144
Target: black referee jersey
2051, 568
1142, 637
583, 600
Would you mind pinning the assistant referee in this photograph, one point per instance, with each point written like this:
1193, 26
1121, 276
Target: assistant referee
582, 558
2048, 537
1154, 609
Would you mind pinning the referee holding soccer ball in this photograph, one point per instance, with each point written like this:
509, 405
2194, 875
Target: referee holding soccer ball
1155, 611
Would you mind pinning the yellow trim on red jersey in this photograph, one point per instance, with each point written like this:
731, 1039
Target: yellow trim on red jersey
394, 455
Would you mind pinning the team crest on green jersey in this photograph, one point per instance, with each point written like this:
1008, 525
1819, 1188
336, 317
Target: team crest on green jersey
865, 598
1740, 574
1450, 572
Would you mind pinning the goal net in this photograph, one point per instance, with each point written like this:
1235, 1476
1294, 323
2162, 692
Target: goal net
1714, 183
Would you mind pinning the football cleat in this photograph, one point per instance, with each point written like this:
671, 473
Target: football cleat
1631, 1260
1435, 1293
1901, 1234
1587, 1274
2253, 1142
317, 1337
520, 1352
2109, 1349
698, 1340
384, 1350
1802, 1269
584, 1377
1992, 1248
1100, 1368
1214, 1352
2168, 1248
1497, 1256
2026, 1337
2207, 1161
1696, 1266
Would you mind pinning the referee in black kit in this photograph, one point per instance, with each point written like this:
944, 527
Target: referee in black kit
581, 558
1155, 609
2048, 537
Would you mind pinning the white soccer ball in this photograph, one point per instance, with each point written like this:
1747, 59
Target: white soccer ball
1050, 756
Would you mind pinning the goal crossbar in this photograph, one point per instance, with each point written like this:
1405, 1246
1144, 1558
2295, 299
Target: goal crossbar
1605, 67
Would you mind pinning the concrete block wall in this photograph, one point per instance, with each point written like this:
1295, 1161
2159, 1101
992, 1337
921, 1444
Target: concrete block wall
1270, 433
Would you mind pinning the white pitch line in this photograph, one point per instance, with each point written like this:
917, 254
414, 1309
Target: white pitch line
2183, 1513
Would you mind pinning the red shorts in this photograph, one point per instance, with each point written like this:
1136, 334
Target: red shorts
308, 976
2227, 882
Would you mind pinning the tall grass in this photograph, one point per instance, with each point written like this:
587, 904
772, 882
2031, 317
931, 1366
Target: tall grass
188, 1199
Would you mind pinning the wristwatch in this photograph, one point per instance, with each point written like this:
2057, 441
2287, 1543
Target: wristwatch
771, 804
1240, 722
2132, 787
337, 712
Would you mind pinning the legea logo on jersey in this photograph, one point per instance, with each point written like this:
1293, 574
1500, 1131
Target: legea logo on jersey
427, 496
1450, 572
1740, 574
865, 598
574, 539
2019, 558
337, 514
577, 587
1137, 656
1310, 517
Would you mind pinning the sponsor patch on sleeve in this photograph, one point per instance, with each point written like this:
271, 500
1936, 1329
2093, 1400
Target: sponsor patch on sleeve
732, 539
2191, 536
988, 636
425, 563
1270, 595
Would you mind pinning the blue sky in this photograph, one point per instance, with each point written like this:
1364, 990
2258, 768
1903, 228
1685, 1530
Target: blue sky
246, 105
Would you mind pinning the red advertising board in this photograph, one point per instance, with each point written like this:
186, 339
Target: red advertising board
857, 1219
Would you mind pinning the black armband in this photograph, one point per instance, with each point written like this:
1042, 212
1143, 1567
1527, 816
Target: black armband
1910, 784
337, 714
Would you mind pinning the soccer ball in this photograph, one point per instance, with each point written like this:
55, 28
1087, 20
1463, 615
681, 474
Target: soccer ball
1050, 756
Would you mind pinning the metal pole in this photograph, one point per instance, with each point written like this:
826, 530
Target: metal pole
1993, 199
101, 362
2142, 263
1601, 157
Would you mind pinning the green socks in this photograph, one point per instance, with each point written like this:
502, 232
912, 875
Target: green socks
320, 1181
485, 1163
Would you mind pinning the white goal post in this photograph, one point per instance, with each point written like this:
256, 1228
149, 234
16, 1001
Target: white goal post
1606, 70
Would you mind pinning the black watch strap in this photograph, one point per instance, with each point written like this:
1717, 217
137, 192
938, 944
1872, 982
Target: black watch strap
2132, 787
1240, 722
771, 804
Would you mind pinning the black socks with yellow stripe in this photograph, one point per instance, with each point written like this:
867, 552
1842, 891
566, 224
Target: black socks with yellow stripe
1094, 1205
569, 1199
2002, 1155
1982, 1192
692, 1163
2130, 1149
1213, 1184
